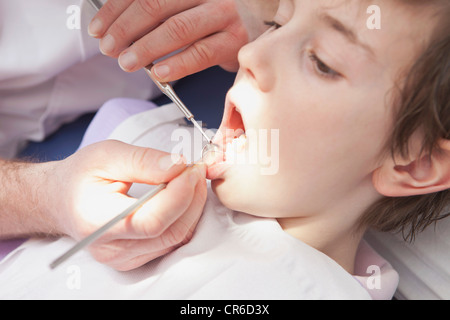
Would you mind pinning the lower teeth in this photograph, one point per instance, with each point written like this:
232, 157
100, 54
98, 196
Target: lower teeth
235, 148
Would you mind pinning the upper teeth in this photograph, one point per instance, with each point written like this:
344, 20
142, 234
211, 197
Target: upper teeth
234, 148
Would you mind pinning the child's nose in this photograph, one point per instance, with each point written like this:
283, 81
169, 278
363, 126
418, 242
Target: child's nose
257, 61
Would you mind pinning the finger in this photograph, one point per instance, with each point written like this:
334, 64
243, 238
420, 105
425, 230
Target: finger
123, 256
220, 48
138, 261
157, 221
131, 254
127, 163
110, 11
176, 32
182, 230
139, 18
157, 215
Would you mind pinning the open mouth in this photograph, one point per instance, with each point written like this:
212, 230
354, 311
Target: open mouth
231, 136
231, 139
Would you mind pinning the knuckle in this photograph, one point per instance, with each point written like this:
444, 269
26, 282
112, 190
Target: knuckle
179, 28
140, 159
176, 235
202, 53
154, 228
239, 35
110, 8
119, 31
145, 51
151, 7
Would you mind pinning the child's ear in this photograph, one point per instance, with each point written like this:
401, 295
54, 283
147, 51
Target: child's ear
428, 174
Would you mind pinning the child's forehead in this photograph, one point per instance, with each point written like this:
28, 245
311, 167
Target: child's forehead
381, 24
403, 9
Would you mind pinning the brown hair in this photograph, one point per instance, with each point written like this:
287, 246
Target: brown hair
422, 104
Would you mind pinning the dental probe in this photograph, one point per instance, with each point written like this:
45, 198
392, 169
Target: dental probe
208, 150
97, 234
165, 87
168, 90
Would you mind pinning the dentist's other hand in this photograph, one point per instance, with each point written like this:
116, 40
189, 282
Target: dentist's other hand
209, 32
92, 188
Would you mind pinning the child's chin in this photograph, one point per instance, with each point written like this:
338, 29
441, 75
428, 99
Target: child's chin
232, 196
226, 193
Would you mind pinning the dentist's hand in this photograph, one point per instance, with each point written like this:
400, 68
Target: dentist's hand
210, 32
91, 188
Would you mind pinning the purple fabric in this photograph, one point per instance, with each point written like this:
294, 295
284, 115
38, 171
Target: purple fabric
110, 115
8, 246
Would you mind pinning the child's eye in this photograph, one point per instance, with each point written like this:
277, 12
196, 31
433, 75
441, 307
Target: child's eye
272, 24
322, 68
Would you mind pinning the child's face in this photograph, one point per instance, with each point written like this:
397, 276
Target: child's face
319, 88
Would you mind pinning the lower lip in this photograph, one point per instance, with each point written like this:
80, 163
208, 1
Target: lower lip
218, 168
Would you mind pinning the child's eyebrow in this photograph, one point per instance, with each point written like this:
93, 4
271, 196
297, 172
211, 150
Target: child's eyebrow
347, 32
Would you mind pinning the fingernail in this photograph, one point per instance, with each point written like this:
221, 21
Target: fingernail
107, 44
95, 27
168, 162
162, 72
128, 61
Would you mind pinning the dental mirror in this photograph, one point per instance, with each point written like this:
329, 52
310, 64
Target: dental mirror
210, 152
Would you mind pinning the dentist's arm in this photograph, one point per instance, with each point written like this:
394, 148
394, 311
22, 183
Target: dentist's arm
78, 195
24, 195
209, 32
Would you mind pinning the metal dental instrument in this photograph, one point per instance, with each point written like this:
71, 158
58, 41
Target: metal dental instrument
97, 234
165, 87
168, 90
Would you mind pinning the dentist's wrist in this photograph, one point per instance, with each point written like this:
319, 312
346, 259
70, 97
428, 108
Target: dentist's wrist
26, 199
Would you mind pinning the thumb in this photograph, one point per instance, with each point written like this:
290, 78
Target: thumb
128, 163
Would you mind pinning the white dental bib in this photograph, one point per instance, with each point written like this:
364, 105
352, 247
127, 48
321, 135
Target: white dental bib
232, 255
